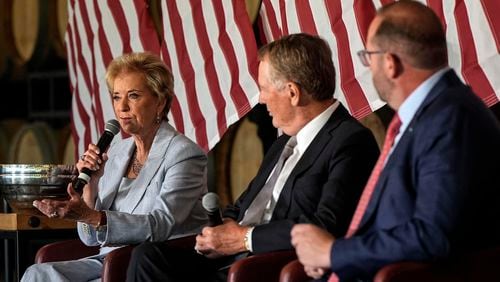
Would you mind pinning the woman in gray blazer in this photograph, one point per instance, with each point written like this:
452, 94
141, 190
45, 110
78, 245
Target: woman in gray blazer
147, 187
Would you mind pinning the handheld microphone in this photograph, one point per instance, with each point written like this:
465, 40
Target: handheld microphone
210, 203
111, 129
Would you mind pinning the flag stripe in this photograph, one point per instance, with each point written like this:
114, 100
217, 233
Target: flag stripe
284, 21
305, 17
237, 93
175, 109
69, 38
145, 25
210, 71
169, 54
437, 7
105, 57
471, 70
119, 18
248, 64
491, 9
364, 12
187, 74
218, 36
84, 99
96, 98
487, 52
356, 99
270, 16
201, 93
469, 43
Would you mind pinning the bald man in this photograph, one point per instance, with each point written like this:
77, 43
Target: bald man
437, 193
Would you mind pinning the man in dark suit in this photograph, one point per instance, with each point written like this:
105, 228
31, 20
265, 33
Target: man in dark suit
331, 156
436, 194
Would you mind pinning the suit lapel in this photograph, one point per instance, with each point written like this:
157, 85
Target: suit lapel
155, 158
379, 189
265, 170
448, 79
116, 170
324, 136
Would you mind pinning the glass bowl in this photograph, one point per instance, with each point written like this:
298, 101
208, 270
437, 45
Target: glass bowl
21, 184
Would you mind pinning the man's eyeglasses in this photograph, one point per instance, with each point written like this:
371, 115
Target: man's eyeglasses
364, 56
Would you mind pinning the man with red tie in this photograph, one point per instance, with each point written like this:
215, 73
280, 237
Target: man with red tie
434, 192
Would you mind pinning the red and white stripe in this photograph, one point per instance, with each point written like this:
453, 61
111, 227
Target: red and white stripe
472, 29
209, 45
211, 49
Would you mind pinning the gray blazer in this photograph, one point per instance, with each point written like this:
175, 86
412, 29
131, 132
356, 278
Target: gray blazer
165, 200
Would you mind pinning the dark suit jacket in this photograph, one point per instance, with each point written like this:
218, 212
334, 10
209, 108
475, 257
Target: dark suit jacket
323, 188
438, 194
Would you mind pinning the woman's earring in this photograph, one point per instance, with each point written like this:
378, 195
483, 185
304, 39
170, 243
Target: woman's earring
158, 119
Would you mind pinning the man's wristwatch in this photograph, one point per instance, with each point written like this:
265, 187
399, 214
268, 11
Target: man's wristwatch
246, 239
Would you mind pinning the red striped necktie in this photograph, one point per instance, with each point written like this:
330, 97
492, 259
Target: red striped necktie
392, 132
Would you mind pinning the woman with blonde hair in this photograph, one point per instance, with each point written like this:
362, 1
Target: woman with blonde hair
147, 187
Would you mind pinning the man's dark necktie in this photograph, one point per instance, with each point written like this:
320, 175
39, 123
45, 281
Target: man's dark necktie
257, 208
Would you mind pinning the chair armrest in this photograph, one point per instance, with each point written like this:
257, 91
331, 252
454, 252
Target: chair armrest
477, 266
116, 263
405, 271
261, 267
65, 250
293, 272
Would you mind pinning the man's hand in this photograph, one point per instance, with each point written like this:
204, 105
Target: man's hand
313, 246
315, 272
222, 240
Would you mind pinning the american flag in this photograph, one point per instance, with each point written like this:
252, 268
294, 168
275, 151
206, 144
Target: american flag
209, 46
472, 30
211, 50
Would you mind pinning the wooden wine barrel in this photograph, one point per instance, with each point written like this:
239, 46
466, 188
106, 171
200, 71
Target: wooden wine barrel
7, 63
237, 159
246, 156
69, 151
8, 128
65, 151
4, 146
34, 143
33, 30
373, 122
3, 55
61, 23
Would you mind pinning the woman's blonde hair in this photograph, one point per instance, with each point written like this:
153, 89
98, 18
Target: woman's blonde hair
157, 75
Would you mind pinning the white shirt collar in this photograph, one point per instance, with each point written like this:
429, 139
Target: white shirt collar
311, 129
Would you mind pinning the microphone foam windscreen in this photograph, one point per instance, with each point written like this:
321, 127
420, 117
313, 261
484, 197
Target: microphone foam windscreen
210, 201
113, 126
